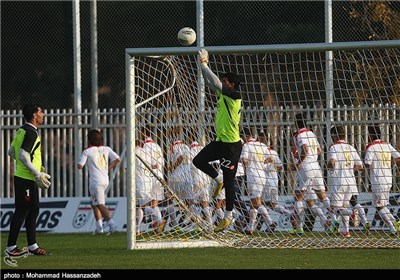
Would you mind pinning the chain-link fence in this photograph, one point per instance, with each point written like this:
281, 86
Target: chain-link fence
37, 38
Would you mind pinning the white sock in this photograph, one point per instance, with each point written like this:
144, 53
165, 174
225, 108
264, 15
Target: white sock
172, 214
156, 214
10, 248
361, 213
264, 212
282, 210
207, 214
327, 204
252, 219
299, 210
139, 218
110, 223
219, 179
220, 213
318, 211
99, 224
33, 247
228, 215
388, 218
346, 221
343, 211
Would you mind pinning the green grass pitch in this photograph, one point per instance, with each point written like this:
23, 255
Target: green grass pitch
86, 251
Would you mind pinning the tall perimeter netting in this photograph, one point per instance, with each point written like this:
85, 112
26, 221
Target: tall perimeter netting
171, 116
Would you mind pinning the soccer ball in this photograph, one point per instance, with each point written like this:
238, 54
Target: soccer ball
186, 36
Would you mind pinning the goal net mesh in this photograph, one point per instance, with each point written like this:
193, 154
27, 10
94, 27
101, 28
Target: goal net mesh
171, 105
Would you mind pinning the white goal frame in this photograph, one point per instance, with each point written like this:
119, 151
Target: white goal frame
131, 53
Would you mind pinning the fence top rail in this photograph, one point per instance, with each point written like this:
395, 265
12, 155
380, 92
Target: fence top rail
276, 48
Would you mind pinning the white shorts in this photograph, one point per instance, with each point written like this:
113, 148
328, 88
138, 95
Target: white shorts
202, 192
340, 195
380, 197
97, 194
309, 195
310, 179
256, 186
182, 189
157, 191
271, 194
143, 192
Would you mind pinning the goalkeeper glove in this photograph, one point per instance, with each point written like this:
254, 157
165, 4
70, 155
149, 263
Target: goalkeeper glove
203, 56
42, 180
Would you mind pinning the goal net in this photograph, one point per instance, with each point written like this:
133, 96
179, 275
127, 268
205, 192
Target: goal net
354, 85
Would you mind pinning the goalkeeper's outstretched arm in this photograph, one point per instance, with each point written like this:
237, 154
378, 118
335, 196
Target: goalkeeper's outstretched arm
210, 78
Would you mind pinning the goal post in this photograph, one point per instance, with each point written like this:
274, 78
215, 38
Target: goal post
356, 86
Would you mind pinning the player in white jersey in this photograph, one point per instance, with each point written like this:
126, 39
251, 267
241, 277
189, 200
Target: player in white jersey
201, 184
273, 166
157, 191
143, 187
379, 158
343, 160
253, 157
100, 160
180, 178
309, 171
240, 205
298, 217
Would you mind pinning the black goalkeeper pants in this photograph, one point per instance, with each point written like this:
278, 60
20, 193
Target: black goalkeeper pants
26, 210
228, 155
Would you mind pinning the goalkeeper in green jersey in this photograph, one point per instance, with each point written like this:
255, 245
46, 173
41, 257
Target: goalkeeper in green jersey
227, 146
29, 176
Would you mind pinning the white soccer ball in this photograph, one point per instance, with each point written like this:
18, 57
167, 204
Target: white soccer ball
186, 36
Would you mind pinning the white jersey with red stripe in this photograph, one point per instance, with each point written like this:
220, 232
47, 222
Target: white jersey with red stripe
271, 169
97, 159
378, 156
180, 179
345, 157
143, 178
255, 153
156, 155
306, 137
200, 179
310, 173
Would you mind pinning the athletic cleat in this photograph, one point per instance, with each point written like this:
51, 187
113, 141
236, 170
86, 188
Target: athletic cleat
38, 252
16, 252
239, 225
345, 234
222, 225
335, 227
159, 228
138, 233
218, 190
271, 228
396, 225
177, 230
367, 227
297, 231
248, 232
197, 230
293, 221
113, 229
98, 231
327, 226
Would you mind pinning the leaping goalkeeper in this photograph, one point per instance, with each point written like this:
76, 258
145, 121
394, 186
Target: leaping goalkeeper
227, 146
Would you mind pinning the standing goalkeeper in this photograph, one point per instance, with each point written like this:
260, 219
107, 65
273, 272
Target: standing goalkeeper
28, 178
227, 147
